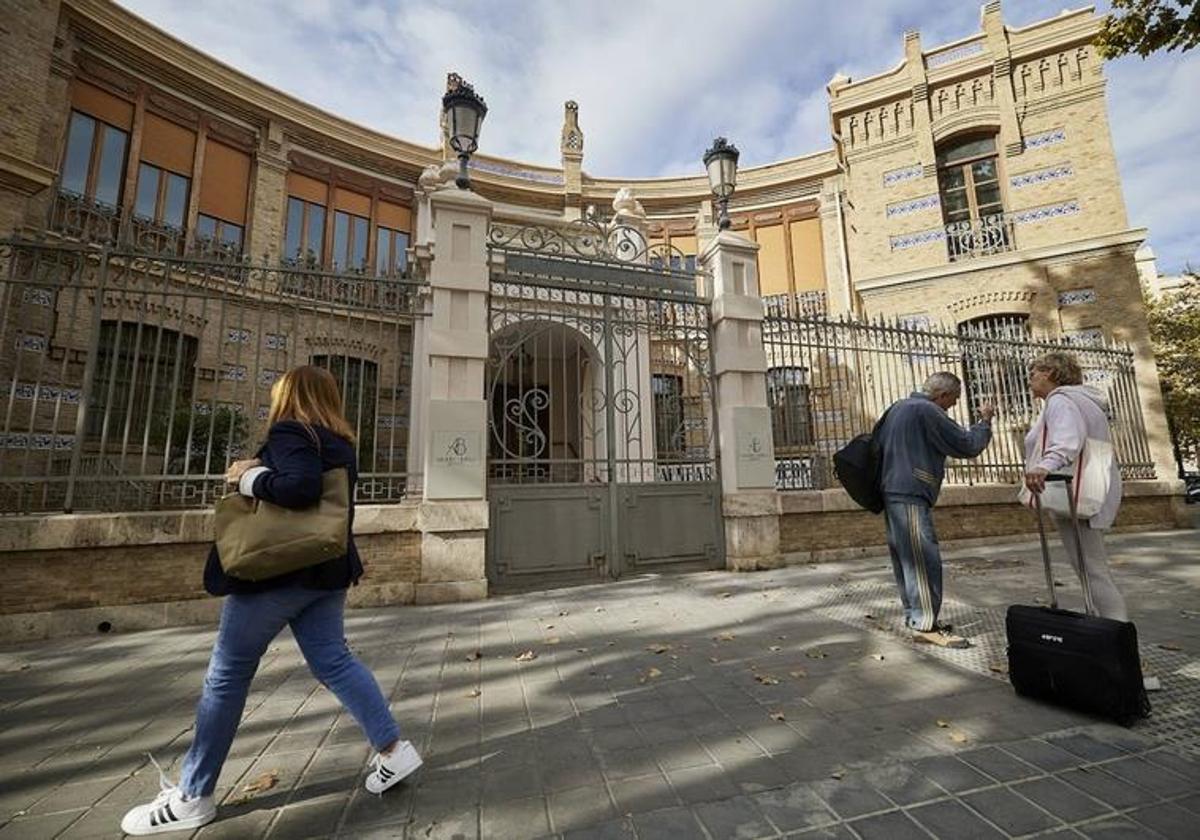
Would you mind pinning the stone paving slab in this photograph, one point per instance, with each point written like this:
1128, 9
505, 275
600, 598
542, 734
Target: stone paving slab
784, 703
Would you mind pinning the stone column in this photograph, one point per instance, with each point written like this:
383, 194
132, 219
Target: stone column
454, 512
839, 293
744, 445
268, 197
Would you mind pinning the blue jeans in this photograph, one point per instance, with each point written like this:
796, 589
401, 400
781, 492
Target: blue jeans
248, 624
916, 560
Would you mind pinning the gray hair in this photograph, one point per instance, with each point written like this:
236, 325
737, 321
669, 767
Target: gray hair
942, 382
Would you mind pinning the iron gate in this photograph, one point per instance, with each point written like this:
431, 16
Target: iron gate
601, 458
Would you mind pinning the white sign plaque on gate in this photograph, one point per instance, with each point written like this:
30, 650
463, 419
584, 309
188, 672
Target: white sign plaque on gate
755, 454
455, 457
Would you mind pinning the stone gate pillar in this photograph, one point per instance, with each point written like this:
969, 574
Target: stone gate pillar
454, 513
744, 445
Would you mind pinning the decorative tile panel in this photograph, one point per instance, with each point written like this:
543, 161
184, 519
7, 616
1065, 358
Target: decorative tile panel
1048, 211
1046, 138
58, 443
1086, 337
956, 54
235, 373
1040, 176
1074, 297
201, 409
46, 393
263, 411
237, 336
38, 295
899, 176
268, 377
516, 172
276, 341
903, 208
918, 238
32, 343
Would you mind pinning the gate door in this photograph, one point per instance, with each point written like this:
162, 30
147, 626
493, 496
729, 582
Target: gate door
601, 458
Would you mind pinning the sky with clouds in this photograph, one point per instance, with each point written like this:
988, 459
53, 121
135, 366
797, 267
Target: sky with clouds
657, 79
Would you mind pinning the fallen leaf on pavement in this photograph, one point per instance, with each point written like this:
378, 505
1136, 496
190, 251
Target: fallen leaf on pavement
563, 612
765, 679
723, 637
473, 692
549, 627
998, 668
652, 673
799, 673
817, 654
526, 656
1169, 646
777, 716
581, 650
958, 737
775, 648
878, 656
837, 774
598, 609
553, 640
473, 655
725, 595
869, 616
265, 781
943, 724
658, 647
713, 659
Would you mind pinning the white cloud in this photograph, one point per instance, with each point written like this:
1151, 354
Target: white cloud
657, 79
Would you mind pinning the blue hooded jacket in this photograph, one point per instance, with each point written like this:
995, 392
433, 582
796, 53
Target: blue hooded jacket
916, 438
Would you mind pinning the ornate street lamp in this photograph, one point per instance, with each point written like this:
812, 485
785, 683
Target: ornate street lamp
464, 110
721, 163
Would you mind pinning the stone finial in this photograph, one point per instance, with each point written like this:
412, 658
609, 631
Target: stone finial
626, 207
572, 135
839, 80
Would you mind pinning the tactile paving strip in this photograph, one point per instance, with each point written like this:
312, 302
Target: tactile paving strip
874, 606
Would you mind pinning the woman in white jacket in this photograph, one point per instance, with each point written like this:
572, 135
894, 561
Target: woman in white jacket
1074, 412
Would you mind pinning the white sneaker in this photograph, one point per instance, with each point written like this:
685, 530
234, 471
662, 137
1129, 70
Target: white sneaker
169, 811
391, 769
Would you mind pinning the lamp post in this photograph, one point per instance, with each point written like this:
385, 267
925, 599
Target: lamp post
464, 110
721, 162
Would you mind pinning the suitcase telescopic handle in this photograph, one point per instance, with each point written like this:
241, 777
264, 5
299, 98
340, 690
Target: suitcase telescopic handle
1037, 503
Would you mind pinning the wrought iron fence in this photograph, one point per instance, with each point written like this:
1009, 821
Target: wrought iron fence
829, 380
130, 380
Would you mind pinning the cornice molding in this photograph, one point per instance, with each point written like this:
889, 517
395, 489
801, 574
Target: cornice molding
22, 176
1126, 241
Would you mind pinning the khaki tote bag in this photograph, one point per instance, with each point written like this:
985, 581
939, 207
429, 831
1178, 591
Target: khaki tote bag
257, 540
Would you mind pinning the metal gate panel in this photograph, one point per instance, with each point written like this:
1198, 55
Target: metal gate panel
540, 536
671, 526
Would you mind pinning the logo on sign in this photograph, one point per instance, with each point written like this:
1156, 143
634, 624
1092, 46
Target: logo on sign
1046, 637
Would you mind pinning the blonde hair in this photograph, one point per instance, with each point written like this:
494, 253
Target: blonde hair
310, 396
1063, 368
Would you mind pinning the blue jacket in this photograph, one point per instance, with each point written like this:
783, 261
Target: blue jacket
294, 481
916, 438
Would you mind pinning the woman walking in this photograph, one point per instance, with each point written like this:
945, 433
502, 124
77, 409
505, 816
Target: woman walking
1073, 413
308, 435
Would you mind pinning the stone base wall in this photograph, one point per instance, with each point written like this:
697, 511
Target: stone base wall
823, 525
71, 575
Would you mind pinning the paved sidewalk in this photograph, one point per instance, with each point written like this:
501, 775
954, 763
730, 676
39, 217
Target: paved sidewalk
714, 705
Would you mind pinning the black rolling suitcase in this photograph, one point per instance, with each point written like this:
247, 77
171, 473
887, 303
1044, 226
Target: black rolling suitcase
1080, 661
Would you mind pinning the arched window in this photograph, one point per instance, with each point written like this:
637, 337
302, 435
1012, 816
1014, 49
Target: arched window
969, 190
994, 364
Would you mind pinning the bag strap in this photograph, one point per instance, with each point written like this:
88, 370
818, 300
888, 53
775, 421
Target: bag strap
1087, 587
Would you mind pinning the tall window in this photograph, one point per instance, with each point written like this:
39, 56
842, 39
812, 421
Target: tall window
969, 189
790, 398
162, 196
225, 234
994, 364
140, 368
350, 240
358, 382
305, 240
391, 252
669, 437
94, 161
